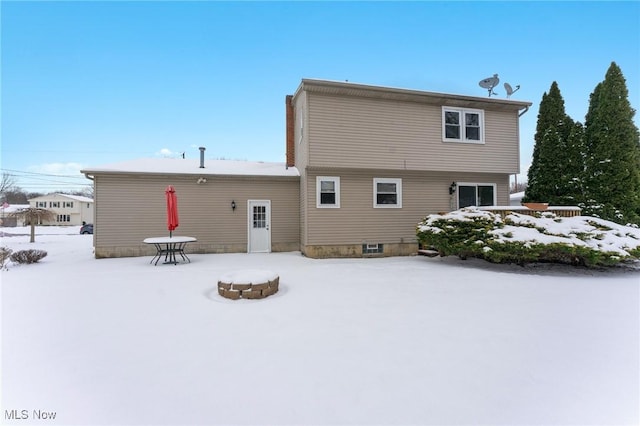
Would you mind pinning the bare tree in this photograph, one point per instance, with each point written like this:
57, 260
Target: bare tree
517, 187
85, 192
33, 216
7, 184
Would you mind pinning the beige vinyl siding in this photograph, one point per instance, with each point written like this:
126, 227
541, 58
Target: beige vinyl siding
301, 144
358, 222
370, 133
130, 208
301, 131
303, 208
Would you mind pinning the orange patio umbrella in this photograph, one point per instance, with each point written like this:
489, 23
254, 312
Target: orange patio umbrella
172, 209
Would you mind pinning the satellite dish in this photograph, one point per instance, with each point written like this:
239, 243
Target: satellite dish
490, 83
510, 89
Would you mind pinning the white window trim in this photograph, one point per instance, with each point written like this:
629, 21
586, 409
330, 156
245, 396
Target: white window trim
462, 138
476, 184
336, 181
398, 183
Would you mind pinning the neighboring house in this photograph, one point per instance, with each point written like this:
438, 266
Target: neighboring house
67, 209
7, 219
364, 165
516, 198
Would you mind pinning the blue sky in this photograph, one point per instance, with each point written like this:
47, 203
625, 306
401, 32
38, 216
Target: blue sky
90, 83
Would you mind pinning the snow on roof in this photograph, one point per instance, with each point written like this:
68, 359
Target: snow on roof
14, 208
192, 166
79, 198
73, 197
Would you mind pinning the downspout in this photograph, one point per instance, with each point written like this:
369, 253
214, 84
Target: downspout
515, 176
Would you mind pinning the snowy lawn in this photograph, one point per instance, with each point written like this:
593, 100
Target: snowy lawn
406, 340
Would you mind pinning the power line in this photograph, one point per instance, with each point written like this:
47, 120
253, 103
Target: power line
42, 174
47, 182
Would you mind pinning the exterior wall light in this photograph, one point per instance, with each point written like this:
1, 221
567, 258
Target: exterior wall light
201, 180
233, 205
453, 188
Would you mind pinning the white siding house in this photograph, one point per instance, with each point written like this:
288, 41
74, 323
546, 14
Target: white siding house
68, 209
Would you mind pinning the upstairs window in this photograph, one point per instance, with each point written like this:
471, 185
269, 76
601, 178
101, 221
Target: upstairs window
387, 193
54, 204
328, 192
462, 125
67, 204
41, 204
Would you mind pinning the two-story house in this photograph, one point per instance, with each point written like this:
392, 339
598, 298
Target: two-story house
67, 209
364, 165
373, 161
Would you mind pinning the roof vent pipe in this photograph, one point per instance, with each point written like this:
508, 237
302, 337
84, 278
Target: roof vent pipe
202, 148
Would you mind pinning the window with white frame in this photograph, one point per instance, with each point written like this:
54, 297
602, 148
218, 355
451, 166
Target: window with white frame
54, 204
387, 193
476, 194
328, 191
67, 204
41, 204
64, 218
462, 125
372, 248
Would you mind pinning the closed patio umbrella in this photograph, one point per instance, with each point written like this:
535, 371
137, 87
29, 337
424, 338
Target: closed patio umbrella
172, 209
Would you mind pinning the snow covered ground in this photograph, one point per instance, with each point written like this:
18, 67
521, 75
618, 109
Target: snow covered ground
405, 340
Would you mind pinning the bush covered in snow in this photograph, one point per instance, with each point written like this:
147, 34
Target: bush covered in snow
28, 256
521, 239
5, 252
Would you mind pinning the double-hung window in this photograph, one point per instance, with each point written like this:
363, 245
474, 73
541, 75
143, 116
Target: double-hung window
476, 194
327, 191
387, 193
462, 125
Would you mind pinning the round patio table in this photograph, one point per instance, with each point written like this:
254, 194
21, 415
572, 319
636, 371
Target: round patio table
169, 247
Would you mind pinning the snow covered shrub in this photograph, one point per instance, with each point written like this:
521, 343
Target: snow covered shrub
5, 252
28, 256
462, 233
524, 239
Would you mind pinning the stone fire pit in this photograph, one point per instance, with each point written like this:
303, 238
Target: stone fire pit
248, 284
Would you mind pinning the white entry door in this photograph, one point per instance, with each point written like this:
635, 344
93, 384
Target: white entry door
259, 226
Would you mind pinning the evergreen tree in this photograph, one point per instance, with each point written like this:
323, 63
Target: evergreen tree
612, 143
546, 172
571, 168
